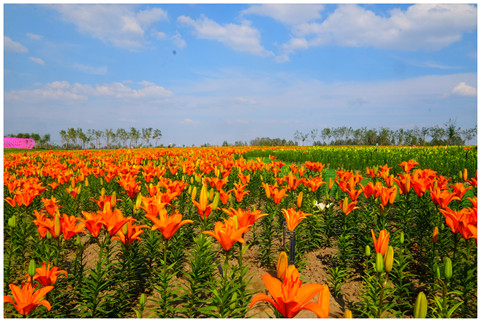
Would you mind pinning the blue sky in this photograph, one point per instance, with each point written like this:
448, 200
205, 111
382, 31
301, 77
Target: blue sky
210, 73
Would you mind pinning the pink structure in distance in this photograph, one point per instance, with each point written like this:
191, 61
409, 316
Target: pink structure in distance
13, 142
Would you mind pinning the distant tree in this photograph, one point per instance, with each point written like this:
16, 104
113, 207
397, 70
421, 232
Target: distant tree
157, 134
313, 135
326, 133
63, 137
146, 135
300, 136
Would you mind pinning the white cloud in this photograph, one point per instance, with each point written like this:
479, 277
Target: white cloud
37, 60
34, 36
188, 121
119, 25
289, 14
178, 41
63, 90
420, 27
243, 37
463, 89
90, 69
14, 46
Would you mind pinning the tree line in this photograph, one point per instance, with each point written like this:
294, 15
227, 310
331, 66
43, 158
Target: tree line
120, 138
449, 134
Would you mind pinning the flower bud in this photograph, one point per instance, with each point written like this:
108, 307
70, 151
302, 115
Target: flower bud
447, 269
124, 229
402, 238
57, 228
101, 181
435, 235
465, 174
389, 259
215, 201
367, 250
194, 193
113, 200
142, 299
379, 263
86, 182
330, 183
299, 199
31, 268
347, 314
210, 195
102, 191
12, 221
436, 272
421, 305
282, 265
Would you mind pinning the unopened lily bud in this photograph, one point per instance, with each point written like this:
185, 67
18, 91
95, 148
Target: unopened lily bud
102, 191
407, 183
437, 272
113, 200
299, 200
465, 174
347, 314
124, 229
49, 235
389, 259
235, 219
233, 300
379, 263
142, 299
282, 265
367, 250
197, 179
191, 179
12, 221
402, 238
216, 199
86, 182
210, 195
194, 193
138, 201
101, 181
421, 305
57, 228
330, 183
447, 269
31, 268
435, 235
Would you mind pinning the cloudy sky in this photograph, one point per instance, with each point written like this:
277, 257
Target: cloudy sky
210, 73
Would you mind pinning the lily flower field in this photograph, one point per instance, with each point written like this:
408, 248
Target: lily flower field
240, 232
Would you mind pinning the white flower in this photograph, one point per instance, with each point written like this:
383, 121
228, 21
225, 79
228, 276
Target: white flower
322, 206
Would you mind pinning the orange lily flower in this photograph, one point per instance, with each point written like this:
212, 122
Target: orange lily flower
314, 183
104, 198
132, 233
403, 183
407, 166
442, 198
290, 297
93, 222
245, 217
44, 224
348, 207
463, 221
382, 243
113, 220
70, 227
167, 224
27, 299
227, 233
387, 195
223, 196
459, 189
203, 208
47, 275
278, 195
239, 192
51, 205
293, 217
